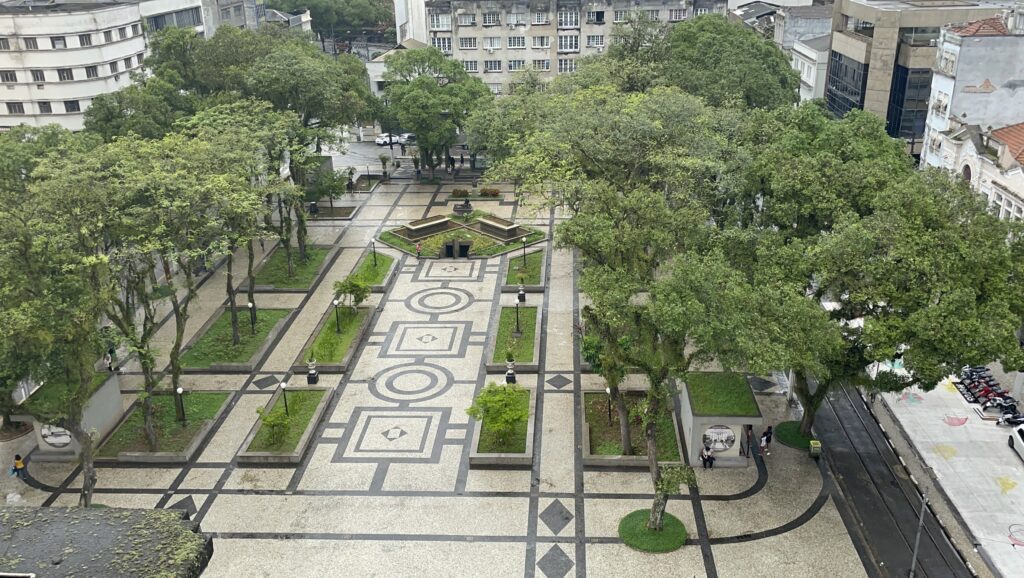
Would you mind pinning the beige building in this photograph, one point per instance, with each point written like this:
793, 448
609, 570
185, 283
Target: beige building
882, 57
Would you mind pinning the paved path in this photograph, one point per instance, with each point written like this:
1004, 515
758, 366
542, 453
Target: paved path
881, 495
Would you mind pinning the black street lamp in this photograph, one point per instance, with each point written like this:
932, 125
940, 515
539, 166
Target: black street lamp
179, 405
520, 298
524, 252
373, 248
252, 316
284, 394
337, 319
608, 391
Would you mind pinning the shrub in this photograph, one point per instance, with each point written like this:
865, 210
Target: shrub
489, 192
460, 193
499, 407
277, 424
352, 290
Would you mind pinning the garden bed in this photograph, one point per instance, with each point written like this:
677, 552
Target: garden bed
634, 533
721, 394
516, 452
462, 229
333, 351
526, 348
306, 406
533, 281
601, 439
273, 274
177, 443
377, 276
343, 213
212, 348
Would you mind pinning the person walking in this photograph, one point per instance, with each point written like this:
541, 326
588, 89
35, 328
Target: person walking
19, 466
766, 441
462, 159
417, 250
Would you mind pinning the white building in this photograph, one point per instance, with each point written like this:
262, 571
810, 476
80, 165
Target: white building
497, 38
810, 60
990, 160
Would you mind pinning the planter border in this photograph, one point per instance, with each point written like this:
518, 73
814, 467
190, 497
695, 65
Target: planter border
527, 288
332, 251
595, 461
160, 458
388, 277
246, 367
299, 366
245, 457
543, 239
524, 368
478, 459
352, 215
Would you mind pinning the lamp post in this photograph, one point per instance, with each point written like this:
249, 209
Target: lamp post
373, 248
252, 316
520, 298
337, 320
179, 405
524, 252
608, 390
284, 394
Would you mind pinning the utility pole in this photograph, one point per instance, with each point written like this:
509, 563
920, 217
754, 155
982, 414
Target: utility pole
917, 540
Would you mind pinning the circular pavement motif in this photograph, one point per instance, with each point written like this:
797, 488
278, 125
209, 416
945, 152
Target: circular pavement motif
439, 300
411, 382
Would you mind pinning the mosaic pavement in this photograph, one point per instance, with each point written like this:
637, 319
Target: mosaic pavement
386, 489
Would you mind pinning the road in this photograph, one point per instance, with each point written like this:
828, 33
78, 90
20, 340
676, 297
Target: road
884, 500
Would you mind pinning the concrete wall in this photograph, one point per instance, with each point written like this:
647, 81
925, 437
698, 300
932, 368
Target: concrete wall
1000, 61
102, 413
789, 29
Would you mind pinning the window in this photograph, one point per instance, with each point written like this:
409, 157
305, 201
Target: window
122, 32
38, 76
701, 11
5, 44
676, 14
225, 14
467, 43
847, 84
492, 19
595, 17
440, 21
542, 42
65, 74
492, 42
136, 29
442, 43
653, 14
858, 26
541, 18
15, 108
516, 65
569, 43
567, 19
516, 18
237, 11
58, 42
492, 66
45, 108
113, 67
8, 76
542, 65
495, 87
128, 61
467, 19
91, 72
620, 15
595, 41
566, 65
71, 106
85, 39
470, 66
108, 36
139, 58
31, 44
517, 42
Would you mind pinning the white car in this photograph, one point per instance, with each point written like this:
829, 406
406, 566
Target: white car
1016, 441
386, 139
406, 138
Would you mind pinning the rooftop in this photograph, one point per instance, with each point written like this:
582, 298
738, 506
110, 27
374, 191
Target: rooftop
29, 6
986, 27
815, 11
932, 5
1013, 137
819, 43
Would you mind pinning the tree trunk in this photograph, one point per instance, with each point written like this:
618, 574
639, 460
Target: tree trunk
286, 234
236, 338
300, 231
180, 318
653, 406
249, 274
810, 402
86, 458
656, 521
624, 433
147, 418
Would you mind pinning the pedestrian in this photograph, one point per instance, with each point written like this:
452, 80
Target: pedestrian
707, 457
108, 361
766, 441
402, 146
462, 159
417, 250
19, 467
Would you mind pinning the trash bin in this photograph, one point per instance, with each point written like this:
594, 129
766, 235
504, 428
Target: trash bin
814, 449
312, 377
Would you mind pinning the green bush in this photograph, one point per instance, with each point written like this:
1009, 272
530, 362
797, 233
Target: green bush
277, 424
500, 407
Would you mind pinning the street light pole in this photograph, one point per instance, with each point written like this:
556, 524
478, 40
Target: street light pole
337, 320
917, 540
284, 394
373, 248
252, 316
519, 331
608, 391
524, 252
179, 405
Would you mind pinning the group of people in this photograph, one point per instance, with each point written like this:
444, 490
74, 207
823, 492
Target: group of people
707, 455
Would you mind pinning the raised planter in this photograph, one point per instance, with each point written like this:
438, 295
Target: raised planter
170, 457
250, 365
300, 366
243, 286
527, 288
506, 461
591, 460
722, 430
532, 367
388, 277
245, 457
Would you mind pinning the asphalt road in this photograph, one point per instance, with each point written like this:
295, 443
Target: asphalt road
884, 500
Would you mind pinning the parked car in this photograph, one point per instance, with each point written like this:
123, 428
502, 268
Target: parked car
1016, 441
407, 138
386, 139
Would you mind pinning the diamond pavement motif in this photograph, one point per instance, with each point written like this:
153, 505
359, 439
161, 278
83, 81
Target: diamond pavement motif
426, 338
393, 433
559, 381
556, 516
555, 564
449, 268
265, 382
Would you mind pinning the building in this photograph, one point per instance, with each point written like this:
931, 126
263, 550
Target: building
793, 23
56, 57
991, 161
882, 55
810, 60
498, 38
376, 67
160, 14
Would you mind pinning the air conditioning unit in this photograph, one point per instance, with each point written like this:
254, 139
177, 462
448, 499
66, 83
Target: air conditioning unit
490, 50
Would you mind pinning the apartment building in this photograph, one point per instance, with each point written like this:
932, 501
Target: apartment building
810, 59
882, 55
498, 38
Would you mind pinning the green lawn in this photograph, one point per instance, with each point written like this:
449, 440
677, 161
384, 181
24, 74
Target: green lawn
331, 346
275, 271
482, 245
215, 345
634, 533
51, 397
371, 274
530, 271
301, 405
516, 443
788, 433
721, 393
170, 434
604, 437
522, 347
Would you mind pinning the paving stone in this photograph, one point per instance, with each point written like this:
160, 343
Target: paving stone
556, 516
556, 563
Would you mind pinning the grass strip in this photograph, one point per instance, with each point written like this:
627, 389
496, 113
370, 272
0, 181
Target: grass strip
530, 271
275, 271
301, 405
605, 439
171, 435
515, 443
215, 346
330, 345
522, 347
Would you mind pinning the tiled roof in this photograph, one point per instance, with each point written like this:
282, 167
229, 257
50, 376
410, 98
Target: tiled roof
987, 27
1013, 137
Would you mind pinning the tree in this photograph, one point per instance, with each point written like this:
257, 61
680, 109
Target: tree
342, 19
602, 350
432, 96
727, 64
352, 291
501, 408
148, 108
